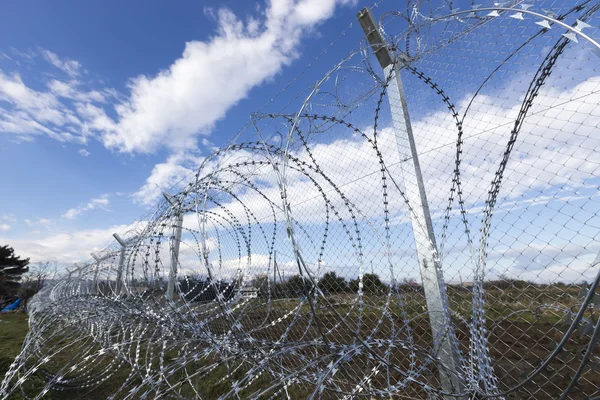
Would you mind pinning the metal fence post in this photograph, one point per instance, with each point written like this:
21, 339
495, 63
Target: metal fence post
431, 275
96, 270
175, 241
121, 263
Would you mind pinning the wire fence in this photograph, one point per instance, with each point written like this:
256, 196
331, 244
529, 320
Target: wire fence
424, 223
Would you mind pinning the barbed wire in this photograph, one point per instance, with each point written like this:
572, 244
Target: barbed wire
195, 302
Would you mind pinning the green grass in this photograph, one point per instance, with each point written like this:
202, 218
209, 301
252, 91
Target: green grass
529, 328
13, 328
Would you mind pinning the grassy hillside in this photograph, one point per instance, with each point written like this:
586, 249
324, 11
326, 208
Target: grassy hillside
13, 328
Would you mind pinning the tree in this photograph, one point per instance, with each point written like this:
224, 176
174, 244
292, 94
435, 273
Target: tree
11, 268
261, 282
371, 284
407, 284
298, 286
34, 280
332, 283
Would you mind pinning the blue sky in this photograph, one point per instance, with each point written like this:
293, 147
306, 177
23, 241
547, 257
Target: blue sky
79, 182
105, 105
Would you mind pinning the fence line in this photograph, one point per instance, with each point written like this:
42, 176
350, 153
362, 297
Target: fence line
427, 229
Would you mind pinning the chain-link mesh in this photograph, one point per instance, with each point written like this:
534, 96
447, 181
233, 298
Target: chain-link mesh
429, 229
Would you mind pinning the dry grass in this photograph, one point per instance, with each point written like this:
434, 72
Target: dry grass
521, 335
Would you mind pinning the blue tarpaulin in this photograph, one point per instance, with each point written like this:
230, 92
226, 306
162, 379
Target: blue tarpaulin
12, 307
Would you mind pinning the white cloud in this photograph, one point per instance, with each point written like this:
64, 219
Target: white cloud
44, 105
84, 152
178, 170
64, 112
71, 67
28, 55
40, 222
65, 248
28, 112
247, 266
172, 108
8, 218
4, 227
548, 193
71, 90
186, 99
101, 202
95, 118
162, 178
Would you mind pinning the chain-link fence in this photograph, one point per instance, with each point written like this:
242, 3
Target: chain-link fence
424, 223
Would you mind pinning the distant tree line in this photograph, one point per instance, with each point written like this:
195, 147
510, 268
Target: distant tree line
205, 290
329, 283
202, 289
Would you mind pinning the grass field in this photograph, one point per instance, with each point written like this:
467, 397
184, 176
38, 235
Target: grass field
523, 330
13, 328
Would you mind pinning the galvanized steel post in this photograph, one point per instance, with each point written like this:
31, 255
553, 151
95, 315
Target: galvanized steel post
119, 285
445, 343
175, 241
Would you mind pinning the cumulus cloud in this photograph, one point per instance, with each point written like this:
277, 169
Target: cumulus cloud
177, 105
181, 104
101, 202
65, 248
84, 152
164, 176
4, 227
162, 110
546, 211
185, 100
